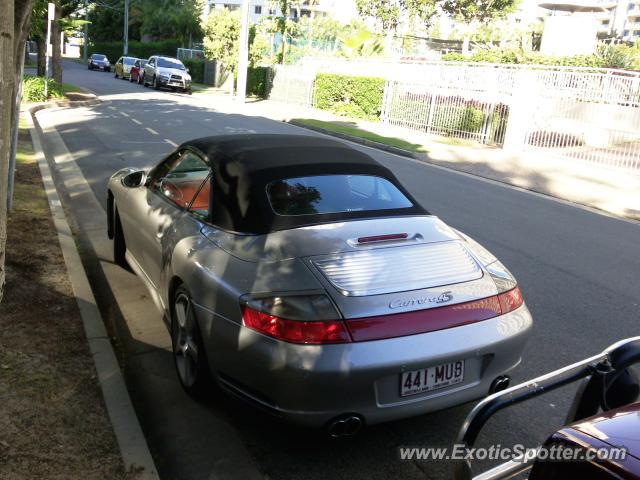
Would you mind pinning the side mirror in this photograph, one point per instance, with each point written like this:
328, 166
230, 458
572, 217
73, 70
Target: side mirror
187, 70
135, 179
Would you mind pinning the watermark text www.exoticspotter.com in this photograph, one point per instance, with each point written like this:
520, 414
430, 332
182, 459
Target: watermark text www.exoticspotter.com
518, 453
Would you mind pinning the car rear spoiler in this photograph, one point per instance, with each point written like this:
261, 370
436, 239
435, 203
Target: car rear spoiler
598, 374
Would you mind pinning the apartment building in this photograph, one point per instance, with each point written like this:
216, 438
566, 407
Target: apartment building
620, 18
343, 10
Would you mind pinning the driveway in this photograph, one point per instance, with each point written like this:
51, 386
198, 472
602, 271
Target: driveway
577, 269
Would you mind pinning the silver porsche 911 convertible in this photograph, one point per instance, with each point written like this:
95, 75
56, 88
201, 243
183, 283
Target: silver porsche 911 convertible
301, 276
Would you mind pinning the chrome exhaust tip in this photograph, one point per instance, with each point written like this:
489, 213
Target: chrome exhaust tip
499, 383
344, 426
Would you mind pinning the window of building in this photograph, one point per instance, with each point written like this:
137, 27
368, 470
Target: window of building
257, 9
625, 33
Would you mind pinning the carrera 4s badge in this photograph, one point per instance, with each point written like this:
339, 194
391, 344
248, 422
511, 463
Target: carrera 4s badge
444, 297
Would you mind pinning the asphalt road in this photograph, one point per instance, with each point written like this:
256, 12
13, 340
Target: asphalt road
579, 272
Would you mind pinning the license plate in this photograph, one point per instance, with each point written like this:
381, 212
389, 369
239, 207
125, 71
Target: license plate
432, 378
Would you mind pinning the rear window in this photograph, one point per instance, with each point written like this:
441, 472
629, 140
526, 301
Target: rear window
334, 194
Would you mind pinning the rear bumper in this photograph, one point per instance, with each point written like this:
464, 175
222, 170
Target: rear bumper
310, 385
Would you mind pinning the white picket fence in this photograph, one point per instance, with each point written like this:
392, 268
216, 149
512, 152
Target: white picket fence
586, 114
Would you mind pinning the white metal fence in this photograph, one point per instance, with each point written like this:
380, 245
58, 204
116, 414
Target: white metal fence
592, 116
291, 84
586, 114
190, 54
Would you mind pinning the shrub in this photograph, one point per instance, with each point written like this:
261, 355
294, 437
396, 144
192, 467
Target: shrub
257, 81
33, 89
462, 119
508, 56
113, 50
196, 69
359, 97
619, 56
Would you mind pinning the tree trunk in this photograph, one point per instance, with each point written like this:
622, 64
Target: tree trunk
7, 79
57, 47
42, 56
14, 27
465, 45
388, 43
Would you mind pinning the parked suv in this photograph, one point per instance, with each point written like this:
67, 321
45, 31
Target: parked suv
123, 67
167, 72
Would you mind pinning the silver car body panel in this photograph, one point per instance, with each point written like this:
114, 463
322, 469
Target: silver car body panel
398, 269
311, 384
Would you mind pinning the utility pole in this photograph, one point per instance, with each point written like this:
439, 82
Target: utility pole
243, 60
126, 27
51, 13
85, 52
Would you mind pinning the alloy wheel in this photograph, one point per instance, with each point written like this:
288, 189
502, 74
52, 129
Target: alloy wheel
185, 344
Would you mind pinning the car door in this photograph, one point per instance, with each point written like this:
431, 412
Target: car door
148, 68
153, 209
118, 67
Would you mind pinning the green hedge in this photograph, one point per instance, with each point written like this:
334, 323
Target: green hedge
257, 81
496, 55
196, 69
359, 97
33, 89
113, 50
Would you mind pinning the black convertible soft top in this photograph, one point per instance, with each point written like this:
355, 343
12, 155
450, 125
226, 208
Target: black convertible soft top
244, 165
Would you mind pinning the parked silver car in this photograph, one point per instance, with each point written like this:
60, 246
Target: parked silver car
300, 275
167, 72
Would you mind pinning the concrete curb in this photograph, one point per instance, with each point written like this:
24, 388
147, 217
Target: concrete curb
133, 446
92, 100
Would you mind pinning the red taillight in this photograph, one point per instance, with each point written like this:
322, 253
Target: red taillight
383, 238
510, 300
295, 331
433, 319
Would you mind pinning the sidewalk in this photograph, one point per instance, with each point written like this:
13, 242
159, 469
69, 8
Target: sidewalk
613, 191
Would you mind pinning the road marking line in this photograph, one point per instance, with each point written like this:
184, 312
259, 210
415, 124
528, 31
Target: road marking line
125, 114
174, 144
112, 108
136, 121
151, 130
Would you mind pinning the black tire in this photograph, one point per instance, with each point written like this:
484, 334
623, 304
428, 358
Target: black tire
140, 81
189, 355
89, 67
155, 83
119, 245
115, 75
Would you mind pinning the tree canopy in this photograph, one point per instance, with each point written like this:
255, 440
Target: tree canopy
388, 13
158, 19
482, 11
